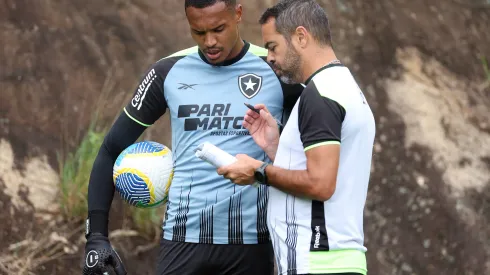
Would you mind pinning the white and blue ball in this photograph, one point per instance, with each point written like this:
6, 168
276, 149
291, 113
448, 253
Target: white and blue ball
143, 173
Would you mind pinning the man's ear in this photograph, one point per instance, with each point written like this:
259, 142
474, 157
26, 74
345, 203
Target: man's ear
238, 13
301, 36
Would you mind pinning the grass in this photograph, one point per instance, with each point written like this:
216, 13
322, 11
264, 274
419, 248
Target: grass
147, 221
485, 67
75, 171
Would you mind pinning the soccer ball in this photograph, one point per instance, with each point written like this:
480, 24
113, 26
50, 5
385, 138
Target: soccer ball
143, 173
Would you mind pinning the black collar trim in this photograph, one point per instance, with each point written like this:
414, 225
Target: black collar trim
321, 69
229, 61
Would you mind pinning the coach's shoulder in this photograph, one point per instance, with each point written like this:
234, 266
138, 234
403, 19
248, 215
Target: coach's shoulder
257, 50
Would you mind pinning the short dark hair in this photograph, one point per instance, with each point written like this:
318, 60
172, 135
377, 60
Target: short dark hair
201, 4
290, 14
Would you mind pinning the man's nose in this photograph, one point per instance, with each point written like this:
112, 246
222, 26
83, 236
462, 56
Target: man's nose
210, 40
271, 59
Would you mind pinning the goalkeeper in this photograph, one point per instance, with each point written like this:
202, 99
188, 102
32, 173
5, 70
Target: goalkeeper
211, 226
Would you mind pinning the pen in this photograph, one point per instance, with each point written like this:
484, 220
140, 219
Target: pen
258, 112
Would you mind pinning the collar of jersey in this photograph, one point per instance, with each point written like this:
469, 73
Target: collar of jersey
321, 69
229, 61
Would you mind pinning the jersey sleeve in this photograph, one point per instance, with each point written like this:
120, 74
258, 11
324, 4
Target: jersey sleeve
320, 119
148, 103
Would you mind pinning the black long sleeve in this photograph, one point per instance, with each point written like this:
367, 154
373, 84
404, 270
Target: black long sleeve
147, 106
123, 133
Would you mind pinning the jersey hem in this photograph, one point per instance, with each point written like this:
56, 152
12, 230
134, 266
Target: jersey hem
321, 144
337, 261
215, 241
135, 120
328, 271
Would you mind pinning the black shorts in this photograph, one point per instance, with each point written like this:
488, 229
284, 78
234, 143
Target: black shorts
214, 259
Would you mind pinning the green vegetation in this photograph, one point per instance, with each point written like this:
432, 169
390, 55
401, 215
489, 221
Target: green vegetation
485, 68
75, 169
75, 173
147, 221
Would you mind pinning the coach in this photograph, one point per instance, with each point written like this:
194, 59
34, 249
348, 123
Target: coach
320, 174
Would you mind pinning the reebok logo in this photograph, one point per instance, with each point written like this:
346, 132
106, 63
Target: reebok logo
209, 117
317, 237
186, 86
138, 98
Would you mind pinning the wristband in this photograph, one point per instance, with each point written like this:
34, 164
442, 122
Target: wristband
97, 222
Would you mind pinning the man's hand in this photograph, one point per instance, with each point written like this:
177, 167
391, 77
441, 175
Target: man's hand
263, 129
242, 171
100, 257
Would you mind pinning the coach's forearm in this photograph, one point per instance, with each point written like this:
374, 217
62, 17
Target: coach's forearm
299, 183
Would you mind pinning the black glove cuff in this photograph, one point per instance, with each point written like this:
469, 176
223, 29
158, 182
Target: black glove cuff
97, 222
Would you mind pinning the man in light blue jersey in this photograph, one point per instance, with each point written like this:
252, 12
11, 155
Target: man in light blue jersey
211, 226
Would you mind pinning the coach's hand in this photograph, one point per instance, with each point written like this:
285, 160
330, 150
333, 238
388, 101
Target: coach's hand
242, 171
263, 129
100, 257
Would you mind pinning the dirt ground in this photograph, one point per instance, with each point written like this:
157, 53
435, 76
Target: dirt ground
419, 63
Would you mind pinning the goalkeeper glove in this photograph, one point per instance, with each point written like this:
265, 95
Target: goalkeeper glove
100, 257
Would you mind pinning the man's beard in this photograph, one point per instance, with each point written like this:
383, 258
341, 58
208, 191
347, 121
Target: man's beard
290, 71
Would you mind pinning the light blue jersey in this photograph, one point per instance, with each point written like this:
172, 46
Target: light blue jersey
206, 103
